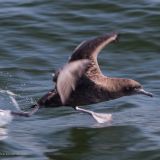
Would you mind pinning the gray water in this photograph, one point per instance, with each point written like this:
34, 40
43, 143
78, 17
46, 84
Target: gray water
37, 37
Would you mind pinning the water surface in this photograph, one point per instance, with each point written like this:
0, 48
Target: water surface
37, 37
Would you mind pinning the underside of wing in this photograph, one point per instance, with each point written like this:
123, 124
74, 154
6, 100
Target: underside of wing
68, 77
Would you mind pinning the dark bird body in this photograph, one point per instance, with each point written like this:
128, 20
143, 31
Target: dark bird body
92, 87
81, 82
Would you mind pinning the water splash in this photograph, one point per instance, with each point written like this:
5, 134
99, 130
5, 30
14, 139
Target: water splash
12, 97
8, 92
5, 117
3, 133
15, 103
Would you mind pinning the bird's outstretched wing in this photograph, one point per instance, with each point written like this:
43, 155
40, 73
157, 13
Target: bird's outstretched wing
90, 49
68, 77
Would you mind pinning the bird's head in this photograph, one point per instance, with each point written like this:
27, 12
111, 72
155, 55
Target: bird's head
132, 87
126, 87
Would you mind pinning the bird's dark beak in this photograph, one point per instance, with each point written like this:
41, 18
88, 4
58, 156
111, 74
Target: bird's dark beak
142, 91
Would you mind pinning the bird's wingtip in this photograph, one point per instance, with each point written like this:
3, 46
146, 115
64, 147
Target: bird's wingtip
115, 36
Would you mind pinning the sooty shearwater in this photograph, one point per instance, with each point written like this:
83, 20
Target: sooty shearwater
81, 82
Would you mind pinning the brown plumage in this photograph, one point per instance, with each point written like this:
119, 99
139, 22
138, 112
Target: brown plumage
86, 84
81, 82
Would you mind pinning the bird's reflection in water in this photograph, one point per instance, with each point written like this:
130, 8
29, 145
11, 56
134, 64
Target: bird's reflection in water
79, 139
90, 142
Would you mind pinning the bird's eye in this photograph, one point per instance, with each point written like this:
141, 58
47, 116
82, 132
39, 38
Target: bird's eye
137, 87
127, 89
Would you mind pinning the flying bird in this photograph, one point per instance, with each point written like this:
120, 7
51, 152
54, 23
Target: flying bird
81, 82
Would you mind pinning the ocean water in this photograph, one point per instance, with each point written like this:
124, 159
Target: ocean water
37, 37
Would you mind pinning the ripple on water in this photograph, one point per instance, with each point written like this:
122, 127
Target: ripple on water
37, 37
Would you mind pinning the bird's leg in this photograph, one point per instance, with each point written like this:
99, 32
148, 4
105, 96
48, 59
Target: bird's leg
26, 114
99, 117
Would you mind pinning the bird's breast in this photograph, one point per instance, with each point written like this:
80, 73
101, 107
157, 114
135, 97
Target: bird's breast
88, 94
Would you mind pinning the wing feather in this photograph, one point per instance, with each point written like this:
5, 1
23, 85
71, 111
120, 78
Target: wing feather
68, 77
90, 49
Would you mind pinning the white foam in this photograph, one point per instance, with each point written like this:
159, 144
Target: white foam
12, 97
5, 117
8, 92
3, 133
